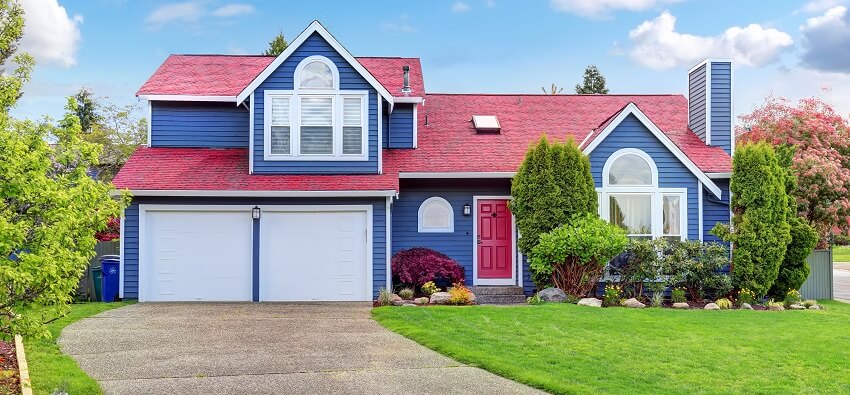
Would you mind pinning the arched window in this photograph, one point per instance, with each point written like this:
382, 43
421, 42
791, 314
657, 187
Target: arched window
436, 215
316, 74
631, 198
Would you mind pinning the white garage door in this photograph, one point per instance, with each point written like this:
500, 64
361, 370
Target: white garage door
314, 256
196, 256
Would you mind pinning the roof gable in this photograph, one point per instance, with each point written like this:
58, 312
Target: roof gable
631, 109
316, 28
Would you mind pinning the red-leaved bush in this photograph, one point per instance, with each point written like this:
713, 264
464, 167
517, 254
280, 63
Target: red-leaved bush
417, 266
112, 231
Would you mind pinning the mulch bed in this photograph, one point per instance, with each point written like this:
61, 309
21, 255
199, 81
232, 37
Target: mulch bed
9, 381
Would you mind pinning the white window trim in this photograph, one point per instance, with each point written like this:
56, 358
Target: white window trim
447, 205
656, 194
296, 83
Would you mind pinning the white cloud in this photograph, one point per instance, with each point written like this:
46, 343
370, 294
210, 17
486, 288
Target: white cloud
826, 39
815, 6
51, 36
402, 26
658, 45
490, 3
459, 7
234, 9
604, 8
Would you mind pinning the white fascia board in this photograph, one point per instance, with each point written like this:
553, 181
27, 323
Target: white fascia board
495, 174
415, 125
150, 122
408, 99
251, 136
315, 27
380, 136
708, 60
632, 109
226, 99
719, 175
212, 193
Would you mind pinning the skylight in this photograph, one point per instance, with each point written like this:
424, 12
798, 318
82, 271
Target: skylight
486, 123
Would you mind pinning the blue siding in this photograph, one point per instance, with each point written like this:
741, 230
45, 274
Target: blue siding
282, 79
631, 133
401, 126
721, 105
458, 245
198, 124
697, 101
715, 210
131, 231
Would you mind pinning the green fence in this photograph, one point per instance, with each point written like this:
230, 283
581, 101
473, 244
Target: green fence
820, 282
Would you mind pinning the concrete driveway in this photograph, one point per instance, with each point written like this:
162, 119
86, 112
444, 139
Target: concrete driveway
263, 348
841, 281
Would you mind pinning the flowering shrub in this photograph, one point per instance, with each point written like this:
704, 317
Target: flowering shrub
112, 231
746, 296
793, 297
677, 295
417, 266
612, 295
723, 303
458, 294
429, 288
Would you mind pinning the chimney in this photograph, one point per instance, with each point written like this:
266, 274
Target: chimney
406, 86
710, 103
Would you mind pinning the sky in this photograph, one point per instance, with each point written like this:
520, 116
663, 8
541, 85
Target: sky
786, 48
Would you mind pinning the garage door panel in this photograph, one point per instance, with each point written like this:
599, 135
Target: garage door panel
198, 255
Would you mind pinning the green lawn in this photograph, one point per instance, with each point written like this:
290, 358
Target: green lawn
49, 368
564, 348
841, 254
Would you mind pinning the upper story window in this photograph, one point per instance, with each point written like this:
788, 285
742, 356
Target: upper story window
436, 215
631, 198
316, 120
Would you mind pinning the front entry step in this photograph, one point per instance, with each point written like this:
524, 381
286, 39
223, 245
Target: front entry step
498, 294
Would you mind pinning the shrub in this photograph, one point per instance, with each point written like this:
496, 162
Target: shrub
406, 293
677, 295
775, 305
841, 239
640, 263
417, 266
534, 299
809, 303
746, 296
613, 294
429, 288
696, 266
759, 229
459, 294
723, 303
792, 297
575, 255
385, 297
552, 185
656, 300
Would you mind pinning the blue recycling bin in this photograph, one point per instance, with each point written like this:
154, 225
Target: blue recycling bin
110, 265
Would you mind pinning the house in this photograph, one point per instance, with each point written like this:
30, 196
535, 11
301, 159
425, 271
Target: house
296, 177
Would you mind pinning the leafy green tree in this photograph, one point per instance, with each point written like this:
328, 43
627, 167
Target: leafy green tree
86, 110
794, 270
11, 29
276, 46
552, 185
594, 82
760, 210
50, 209
118, 129
553, 90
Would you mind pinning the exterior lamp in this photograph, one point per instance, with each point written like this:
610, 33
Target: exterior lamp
255, 212
467, 210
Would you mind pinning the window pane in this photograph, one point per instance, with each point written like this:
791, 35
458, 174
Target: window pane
352, 140
317, 140
317, 75
280, 111
351, 111
632, 213
630, 169
317, 111
280, 140
435, 215
672, 215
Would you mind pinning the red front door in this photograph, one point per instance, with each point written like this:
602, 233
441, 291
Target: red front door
495, 239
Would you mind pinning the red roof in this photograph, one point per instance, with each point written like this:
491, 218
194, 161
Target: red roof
448, 142
209, 169
228, 75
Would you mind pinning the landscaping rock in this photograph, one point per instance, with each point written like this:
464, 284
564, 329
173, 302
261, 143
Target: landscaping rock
746, 306
815, 307
395, 297
552, 295
398, 302
592, 302
408, 305
681, 305
796, 307
422, 300
633, 303
472, 298
711, 306
440, 298
775, 307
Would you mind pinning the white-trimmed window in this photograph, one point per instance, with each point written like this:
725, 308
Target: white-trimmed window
631, 199
436, 216
316, 120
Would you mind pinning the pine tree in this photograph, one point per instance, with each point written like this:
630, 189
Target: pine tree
594, 82
276, 46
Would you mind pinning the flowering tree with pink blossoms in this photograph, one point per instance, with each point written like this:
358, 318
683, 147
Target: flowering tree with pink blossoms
821, 162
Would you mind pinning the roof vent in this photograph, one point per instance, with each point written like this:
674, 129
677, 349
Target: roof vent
405, 88
486, 124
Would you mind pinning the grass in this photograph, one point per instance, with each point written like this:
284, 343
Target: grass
841, 254
50, 368
564, 348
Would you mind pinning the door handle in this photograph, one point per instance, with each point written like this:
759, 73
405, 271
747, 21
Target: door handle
478, 239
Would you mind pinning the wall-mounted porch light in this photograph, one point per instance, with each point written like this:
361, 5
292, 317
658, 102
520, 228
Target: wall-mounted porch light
255, 212
467, 210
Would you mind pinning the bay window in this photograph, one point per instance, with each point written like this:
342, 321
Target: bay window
315, 120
